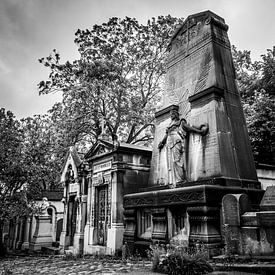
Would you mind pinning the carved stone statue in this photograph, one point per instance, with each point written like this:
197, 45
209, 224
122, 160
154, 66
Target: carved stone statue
45, 204
70, 174
175, 140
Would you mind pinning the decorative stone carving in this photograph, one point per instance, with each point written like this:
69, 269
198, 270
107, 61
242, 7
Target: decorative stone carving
70, 174
175, 140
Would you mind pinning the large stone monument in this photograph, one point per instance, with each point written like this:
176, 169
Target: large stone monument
201, 148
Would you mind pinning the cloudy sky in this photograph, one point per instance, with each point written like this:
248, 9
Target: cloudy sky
30, 29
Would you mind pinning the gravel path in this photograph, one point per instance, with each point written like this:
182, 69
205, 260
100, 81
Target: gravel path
81, 266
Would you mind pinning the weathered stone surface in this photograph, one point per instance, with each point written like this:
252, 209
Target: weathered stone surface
268, 201
201, 85
190, 195
233, 207
201, 82
250, 219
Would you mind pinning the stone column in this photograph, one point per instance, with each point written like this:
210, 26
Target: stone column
31, 229
79, 234
130, 219
15, 233
93, 228
63, 241
84, 212
20, 235
87, 226
115, 233
159, 226
205, 228
169, 224
11, 234
26, 243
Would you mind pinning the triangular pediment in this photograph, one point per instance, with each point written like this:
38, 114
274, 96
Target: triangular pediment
100, 148
72, 161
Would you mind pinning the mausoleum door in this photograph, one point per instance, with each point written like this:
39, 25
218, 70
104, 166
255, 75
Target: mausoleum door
102, 214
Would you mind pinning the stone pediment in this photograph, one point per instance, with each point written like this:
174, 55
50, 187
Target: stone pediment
72, 162
100, 148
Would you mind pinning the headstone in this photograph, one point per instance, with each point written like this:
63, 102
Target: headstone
230, 210
266, 215
233, 207
268, 200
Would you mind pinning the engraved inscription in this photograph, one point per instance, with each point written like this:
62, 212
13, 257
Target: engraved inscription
269, 196
204, 71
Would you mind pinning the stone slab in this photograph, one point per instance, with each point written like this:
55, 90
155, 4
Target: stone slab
190, 195
268, 201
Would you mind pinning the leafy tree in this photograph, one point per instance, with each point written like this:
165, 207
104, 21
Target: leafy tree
260, 118
13, 175
247, 72
43, 153
256, 82
29, 162
268, 71
117, 81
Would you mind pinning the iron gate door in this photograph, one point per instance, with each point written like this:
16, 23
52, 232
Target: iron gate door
102, 210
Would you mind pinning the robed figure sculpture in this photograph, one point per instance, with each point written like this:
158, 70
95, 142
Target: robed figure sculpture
175, 139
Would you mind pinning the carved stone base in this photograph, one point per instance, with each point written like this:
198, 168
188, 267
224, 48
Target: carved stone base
205, 228
159, 226
25, 245
78, 243
130, 228
115, 237
64, 241
42, 236
202, 203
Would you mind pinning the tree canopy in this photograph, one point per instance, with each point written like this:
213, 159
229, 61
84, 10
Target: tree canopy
116, 82
257, 88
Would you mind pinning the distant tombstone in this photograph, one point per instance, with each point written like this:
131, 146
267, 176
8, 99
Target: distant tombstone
233, 206
268, 200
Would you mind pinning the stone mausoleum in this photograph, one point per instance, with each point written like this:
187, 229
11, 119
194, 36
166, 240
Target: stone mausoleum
93, 195
197, 185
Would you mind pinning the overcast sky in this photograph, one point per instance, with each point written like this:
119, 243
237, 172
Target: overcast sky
30, 29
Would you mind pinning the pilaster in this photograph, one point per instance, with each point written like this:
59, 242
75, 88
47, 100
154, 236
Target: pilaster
159, 226
63, 237
205, 228
26, 243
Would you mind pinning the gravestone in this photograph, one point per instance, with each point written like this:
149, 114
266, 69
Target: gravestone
268, 200
266, 215
233, 207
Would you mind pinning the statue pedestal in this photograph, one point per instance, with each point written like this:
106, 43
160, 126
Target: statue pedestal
42, 235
